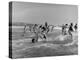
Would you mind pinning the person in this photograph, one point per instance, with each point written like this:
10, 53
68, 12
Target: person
30, 28
35, 39
43, 30
75, 27
46, 27
24, 29
63, 27
52, 28
70, 29
35, 28
40, 32
65, 31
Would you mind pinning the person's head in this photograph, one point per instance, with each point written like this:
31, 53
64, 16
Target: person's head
66, 24
71, 24
35, 24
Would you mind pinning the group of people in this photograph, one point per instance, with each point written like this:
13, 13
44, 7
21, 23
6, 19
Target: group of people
41, 31
38, 30
68, 29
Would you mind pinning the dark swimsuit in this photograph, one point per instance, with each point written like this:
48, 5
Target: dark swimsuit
70, 28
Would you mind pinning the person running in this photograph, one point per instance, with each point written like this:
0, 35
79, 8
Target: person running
70, 29
40, 32
24, 29
35, 39
43, 30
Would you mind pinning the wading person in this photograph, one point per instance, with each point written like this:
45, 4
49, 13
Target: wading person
66, 26
43, 32
46, 27
24, 30
35, 39
75, 27
63, 27
70, 30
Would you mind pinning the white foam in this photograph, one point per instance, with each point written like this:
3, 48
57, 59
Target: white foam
60, 38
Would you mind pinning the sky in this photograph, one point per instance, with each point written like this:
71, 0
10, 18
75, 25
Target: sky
40, 13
